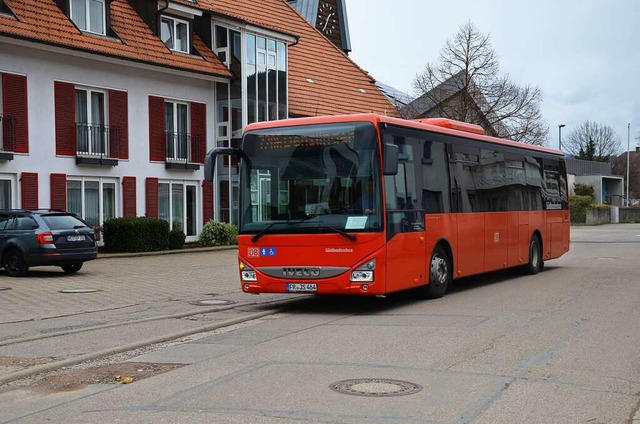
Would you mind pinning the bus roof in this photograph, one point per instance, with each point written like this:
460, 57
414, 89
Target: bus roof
439, 125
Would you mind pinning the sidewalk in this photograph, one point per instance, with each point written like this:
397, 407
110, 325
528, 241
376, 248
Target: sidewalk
121, 280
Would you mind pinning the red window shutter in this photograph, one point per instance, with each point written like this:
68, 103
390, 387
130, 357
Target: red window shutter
65, 111
157, 147
151, 197
29, 190
198, 132
128, 196
14, 104
59, 191
118, 124
207, 201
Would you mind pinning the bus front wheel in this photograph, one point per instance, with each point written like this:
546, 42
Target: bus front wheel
535, 256
440, 273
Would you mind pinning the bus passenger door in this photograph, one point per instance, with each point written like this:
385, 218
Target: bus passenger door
406, 247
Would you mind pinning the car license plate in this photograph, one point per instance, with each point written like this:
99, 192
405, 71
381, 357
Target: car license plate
302, 287
75, 238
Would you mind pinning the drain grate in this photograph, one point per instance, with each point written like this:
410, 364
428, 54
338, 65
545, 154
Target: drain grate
375, 387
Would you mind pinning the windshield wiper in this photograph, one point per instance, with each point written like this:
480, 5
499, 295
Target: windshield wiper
339, 231
264, 231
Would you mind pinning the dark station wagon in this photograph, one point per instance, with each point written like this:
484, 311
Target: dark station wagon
44, 237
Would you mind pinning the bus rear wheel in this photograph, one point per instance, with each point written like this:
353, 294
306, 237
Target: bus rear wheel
535, 256
440, 273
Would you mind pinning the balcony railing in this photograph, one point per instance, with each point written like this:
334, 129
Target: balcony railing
181, 147
7, 136
97, 144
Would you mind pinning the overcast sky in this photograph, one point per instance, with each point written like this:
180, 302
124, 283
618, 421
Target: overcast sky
584, 55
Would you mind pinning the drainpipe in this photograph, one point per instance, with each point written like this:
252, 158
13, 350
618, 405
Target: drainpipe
157, 13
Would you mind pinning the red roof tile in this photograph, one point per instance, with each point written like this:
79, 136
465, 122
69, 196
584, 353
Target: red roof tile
339, 85
43, 21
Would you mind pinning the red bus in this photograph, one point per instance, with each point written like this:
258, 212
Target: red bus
369, 205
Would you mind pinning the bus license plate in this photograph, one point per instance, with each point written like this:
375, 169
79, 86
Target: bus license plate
75, 238
302, 287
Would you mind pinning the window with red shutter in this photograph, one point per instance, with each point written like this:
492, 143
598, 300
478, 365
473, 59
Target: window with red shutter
15, 126
198, 132
65, 118
118, 124
29, 190
157, 149
151, 197
59, 191
129, 196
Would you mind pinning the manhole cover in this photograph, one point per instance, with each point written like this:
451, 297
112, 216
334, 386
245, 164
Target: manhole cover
79, 291
376, 387
212, 302
5, 288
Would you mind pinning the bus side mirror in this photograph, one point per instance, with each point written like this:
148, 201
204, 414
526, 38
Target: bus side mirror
390, 159
210, 159
209, 165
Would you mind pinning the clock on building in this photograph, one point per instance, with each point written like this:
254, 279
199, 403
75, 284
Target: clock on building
327, 21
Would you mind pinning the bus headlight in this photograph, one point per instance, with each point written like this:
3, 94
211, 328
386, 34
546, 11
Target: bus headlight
246, 273
364, 273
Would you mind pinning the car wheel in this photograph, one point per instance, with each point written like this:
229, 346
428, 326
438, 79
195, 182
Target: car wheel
14, 263
71, 268
440, 273
535, 256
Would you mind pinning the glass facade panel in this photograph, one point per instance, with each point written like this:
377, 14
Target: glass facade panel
92, 202
79, 13
282, 81
108, 201
251, 79
164, 211
177, 206
166, 32
96, 16
182, 36
74, 197
5, 194
190, 229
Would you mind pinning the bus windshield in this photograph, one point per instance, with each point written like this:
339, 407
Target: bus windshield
321, 178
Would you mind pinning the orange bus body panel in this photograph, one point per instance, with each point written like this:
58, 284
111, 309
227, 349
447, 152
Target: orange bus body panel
479, 242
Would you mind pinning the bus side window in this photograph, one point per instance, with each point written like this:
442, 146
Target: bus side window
466, 162
435, 178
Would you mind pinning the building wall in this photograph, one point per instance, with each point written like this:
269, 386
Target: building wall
43, 67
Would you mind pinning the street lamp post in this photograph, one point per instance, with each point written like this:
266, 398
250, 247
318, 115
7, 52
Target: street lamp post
560, 136
628, 137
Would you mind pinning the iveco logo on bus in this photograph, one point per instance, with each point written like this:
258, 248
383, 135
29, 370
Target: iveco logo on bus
301, 272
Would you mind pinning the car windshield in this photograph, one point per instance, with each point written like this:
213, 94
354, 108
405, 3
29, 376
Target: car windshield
311, 179
63, 222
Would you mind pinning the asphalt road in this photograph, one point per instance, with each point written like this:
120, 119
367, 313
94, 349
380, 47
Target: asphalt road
558, 347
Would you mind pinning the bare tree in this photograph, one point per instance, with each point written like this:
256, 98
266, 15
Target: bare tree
465, 85
600, 138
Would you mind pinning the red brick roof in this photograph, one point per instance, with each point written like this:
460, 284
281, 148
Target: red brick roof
43, 21
339, 85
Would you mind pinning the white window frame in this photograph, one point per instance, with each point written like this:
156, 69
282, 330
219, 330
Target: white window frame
12, 187
87, 17
174, 26
198, 206
176, 131
105, 118
101, 182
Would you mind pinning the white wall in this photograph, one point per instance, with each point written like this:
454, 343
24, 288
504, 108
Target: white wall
43, 67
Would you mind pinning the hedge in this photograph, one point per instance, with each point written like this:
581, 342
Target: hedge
578, 208
217, 233
135, 235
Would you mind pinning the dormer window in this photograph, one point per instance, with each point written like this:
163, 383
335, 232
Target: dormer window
175, 34
89, 15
